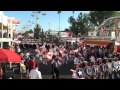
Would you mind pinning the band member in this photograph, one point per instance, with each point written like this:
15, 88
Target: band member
103, 68
94, 70
114, 67
109, 67
78, 73
98, 62
55, 69
87, 70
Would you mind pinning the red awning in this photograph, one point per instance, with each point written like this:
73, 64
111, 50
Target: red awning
9, 56
96, 42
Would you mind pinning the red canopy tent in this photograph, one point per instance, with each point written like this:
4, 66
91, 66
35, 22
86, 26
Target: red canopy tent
9, 56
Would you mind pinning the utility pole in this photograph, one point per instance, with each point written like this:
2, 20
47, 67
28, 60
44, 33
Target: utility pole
115, 27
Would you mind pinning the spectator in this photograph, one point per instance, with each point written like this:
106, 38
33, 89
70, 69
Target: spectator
35, 73
1, 72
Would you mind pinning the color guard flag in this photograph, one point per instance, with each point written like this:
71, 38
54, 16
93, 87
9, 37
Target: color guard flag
49, 56
115, 49
16, 21
61, 51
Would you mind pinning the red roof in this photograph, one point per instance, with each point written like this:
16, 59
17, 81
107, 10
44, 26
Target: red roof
96, 42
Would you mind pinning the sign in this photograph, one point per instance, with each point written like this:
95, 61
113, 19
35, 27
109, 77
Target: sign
113, 35
65, 34
89, 71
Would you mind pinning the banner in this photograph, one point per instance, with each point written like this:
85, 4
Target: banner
93, 70
65, 34
16, 21
62, 51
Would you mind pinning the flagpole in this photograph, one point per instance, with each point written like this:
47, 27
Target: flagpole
2, 33
11, 30
7, 30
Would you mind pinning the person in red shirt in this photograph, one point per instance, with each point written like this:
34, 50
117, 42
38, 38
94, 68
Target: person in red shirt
30, 64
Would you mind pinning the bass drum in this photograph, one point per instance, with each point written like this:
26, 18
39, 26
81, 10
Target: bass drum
114, 66
95, 69
80, 72
109, 67
88, 70
103, 67
118, 65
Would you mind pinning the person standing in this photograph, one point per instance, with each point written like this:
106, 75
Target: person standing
35, 73
55, 69
1, 72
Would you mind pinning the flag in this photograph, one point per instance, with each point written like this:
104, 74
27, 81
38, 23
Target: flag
62, 51
75, 51
16, 21
115, 49
49, 56
117, 44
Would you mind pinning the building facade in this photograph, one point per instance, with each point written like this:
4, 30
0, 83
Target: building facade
7, 26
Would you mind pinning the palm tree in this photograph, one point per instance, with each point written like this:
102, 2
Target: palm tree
36, 15
59, 19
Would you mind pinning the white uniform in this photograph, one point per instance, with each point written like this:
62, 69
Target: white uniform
35, 74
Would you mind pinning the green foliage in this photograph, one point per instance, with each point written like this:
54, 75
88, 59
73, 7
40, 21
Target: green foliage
79, 25
86, 22
97, 17
26, 32
37, 31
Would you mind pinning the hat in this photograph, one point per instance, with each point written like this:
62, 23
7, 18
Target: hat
99, 59
54, 56
76, 55
105, 58
35, 65
92, 61
85, 62
77, 63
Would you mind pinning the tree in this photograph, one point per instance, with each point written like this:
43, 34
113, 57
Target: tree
27, 32
37, 31
97, 17
66, 30
81, 25
36, 15
72, 22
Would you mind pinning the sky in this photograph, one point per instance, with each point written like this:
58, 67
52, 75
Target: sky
50, 20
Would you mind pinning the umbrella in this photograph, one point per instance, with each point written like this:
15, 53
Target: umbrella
9, 56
